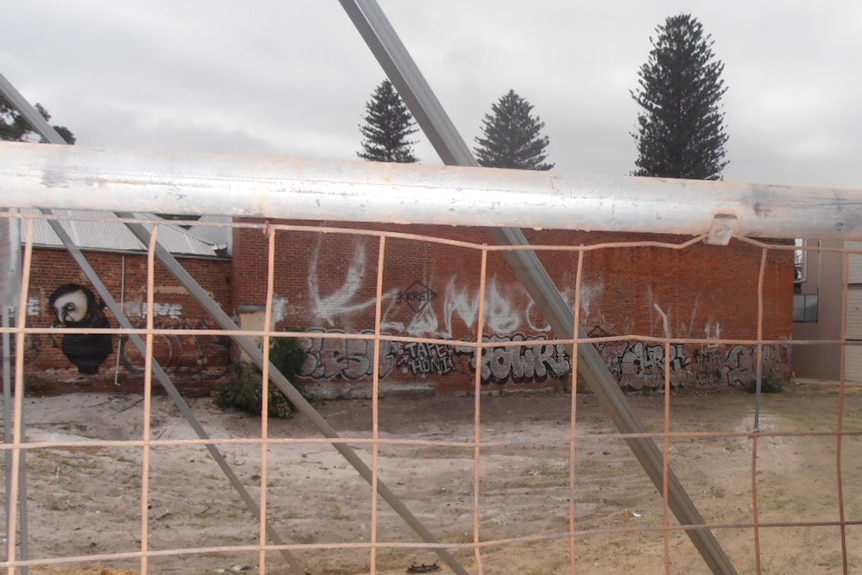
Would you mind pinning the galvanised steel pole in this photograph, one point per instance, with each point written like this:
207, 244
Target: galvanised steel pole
78, 177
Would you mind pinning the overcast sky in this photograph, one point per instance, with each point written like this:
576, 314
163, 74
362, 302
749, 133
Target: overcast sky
291, 77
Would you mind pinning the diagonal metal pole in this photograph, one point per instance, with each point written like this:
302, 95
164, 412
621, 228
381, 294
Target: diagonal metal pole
404, 74
38, 122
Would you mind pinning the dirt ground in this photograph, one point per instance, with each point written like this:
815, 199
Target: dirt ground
85, 500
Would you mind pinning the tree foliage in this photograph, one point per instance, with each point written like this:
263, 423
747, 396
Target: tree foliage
388, 125
14, 128
512, 136
681, 128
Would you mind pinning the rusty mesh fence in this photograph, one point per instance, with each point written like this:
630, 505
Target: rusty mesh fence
517, 468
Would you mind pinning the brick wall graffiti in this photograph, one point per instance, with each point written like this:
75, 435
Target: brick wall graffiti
637, 364
438, 309
138, 308
710, 367
178, 354
534, 361
426, 358
443, 302
642, 361
34, 306
634, 364
737, 366
343, 300
351, 359
327, 358
417, 296
76, 306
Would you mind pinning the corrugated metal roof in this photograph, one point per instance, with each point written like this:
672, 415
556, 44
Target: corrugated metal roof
92, 230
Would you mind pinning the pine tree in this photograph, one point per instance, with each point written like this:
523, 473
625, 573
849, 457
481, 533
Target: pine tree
512, 137
388, 124
681, 129
14, 128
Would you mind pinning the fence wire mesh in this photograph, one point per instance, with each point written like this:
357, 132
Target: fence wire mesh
514, 467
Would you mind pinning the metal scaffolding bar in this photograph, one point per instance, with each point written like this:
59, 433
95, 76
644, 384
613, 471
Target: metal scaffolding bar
75, 177
435, 123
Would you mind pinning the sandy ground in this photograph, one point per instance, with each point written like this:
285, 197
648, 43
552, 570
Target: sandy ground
85, 499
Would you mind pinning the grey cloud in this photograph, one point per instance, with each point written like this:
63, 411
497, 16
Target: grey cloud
291, 78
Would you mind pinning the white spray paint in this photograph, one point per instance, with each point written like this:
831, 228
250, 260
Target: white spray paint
712, 331
663, 320
340, 302
279, 308
171, 310
588, 293
507, 309
34, 306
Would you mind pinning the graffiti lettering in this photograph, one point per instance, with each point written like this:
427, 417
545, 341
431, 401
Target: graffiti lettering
711, 368
640, 361
417, 296
425, 358
34, 306
509, 309
521, 364
171, 310
351, 359
636, 364
738, 368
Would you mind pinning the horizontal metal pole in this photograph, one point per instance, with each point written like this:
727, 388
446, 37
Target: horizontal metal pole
75, 177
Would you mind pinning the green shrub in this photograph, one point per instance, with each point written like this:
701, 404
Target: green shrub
771, 383
245, 392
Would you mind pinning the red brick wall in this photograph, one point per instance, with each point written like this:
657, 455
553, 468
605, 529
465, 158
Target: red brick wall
194, 362
327, 282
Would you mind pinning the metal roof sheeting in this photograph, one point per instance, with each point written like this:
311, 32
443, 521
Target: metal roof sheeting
94, 230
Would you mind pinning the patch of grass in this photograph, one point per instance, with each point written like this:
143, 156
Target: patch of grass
57, 503
78, 464
832, 560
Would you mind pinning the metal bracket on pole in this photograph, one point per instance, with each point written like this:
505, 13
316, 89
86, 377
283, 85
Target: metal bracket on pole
721, 230
404, 74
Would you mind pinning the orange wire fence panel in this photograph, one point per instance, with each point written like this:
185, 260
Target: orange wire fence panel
433, 419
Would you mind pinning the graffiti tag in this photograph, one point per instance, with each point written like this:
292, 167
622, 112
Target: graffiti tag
535, 360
